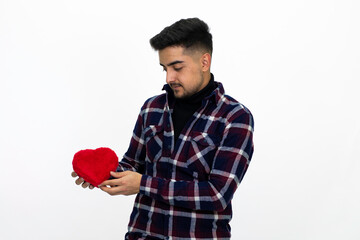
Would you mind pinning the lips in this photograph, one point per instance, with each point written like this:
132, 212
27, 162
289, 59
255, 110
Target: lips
175, 86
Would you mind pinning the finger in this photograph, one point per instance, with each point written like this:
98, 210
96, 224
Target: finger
79, 181
112, 190
91, 186
85, 184
112, 183
73, 174
105, 189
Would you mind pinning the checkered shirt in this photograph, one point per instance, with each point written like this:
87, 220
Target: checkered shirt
187, 187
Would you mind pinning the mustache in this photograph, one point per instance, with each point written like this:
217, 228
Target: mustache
175, 85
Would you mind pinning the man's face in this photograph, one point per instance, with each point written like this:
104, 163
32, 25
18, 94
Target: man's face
184, 72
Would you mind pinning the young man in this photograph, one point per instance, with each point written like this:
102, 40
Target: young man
190, 148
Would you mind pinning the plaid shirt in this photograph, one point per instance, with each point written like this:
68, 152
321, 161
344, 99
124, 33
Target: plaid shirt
187, 187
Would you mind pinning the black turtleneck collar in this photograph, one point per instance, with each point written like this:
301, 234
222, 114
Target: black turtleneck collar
199, 96
184, 108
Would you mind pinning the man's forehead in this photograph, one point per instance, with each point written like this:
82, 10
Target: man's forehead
172, 55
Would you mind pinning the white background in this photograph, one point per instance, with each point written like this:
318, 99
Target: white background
74, 75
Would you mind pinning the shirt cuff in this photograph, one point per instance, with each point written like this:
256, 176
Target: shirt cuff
145, 186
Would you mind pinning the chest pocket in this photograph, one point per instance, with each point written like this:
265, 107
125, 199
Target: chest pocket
203, 147
153, 136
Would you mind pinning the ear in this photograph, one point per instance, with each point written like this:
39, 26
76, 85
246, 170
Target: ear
205, 62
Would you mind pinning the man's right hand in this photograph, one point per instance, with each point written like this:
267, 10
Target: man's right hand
81, 181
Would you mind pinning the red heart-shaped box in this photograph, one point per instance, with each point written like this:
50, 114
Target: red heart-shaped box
94, 166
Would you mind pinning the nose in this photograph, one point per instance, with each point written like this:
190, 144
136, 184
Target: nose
170, 76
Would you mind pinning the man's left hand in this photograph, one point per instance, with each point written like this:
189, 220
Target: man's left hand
125, 183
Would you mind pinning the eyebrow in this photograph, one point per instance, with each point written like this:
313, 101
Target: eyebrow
172, 63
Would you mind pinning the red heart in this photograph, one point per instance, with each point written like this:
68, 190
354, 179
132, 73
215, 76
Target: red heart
94, 166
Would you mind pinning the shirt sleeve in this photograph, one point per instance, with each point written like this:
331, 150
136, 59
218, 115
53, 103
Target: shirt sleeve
229, 166
133, 159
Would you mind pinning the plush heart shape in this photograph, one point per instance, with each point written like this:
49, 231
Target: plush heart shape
94, 166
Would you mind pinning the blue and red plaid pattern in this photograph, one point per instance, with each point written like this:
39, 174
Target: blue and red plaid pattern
187, 187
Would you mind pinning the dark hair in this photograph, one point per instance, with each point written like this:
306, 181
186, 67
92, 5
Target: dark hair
191, 33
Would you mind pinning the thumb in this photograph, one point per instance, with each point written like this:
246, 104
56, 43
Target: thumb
116, 174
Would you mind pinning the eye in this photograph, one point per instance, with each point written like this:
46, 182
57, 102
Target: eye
177, 69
